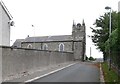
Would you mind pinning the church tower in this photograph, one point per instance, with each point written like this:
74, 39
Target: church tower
78, 34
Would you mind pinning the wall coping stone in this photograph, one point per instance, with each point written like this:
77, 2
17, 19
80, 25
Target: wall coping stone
34, 49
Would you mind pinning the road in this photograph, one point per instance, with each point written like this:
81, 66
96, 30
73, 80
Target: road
80, 72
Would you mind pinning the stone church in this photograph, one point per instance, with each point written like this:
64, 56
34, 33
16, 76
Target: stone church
75, 43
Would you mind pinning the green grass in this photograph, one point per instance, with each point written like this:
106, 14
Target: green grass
109, 76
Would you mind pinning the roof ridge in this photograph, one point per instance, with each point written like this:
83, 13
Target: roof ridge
48, 36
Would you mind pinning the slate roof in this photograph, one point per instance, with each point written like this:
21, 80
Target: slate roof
17, 43
49, 38
58, 38
6, 10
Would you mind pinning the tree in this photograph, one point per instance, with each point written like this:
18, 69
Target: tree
118, 43
113, 45
101, 31
86, 58
91, 59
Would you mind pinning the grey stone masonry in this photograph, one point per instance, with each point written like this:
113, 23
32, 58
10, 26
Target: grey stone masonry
16, 61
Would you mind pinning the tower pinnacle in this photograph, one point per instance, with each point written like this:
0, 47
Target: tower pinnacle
73, 23
83, 23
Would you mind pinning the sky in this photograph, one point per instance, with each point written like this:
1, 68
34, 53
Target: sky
55, 17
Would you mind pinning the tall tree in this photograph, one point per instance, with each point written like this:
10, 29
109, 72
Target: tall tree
101, 31
118, 44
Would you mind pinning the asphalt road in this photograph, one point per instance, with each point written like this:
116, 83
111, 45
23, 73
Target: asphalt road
80, 72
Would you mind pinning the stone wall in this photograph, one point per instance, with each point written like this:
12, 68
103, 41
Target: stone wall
78, 50
52, 46
18, 60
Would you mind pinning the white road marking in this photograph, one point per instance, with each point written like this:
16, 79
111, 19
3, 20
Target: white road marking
48, 73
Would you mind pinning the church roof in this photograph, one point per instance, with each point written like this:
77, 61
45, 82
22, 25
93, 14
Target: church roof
6, 10
49, 38
17, 43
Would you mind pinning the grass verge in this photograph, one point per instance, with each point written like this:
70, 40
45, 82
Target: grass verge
109, 76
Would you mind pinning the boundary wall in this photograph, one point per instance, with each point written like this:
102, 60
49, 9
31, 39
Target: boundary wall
19, 60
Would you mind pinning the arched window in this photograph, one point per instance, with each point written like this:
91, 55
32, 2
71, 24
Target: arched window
45, 47
29, 46
61, 47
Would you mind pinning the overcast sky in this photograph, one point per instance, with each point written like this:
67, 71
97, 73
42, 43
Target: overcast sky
55, 17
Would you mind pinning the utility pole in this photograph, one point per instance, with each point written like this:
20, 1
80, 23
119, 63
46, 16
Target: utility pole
34, 37
109, 8
90, 51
